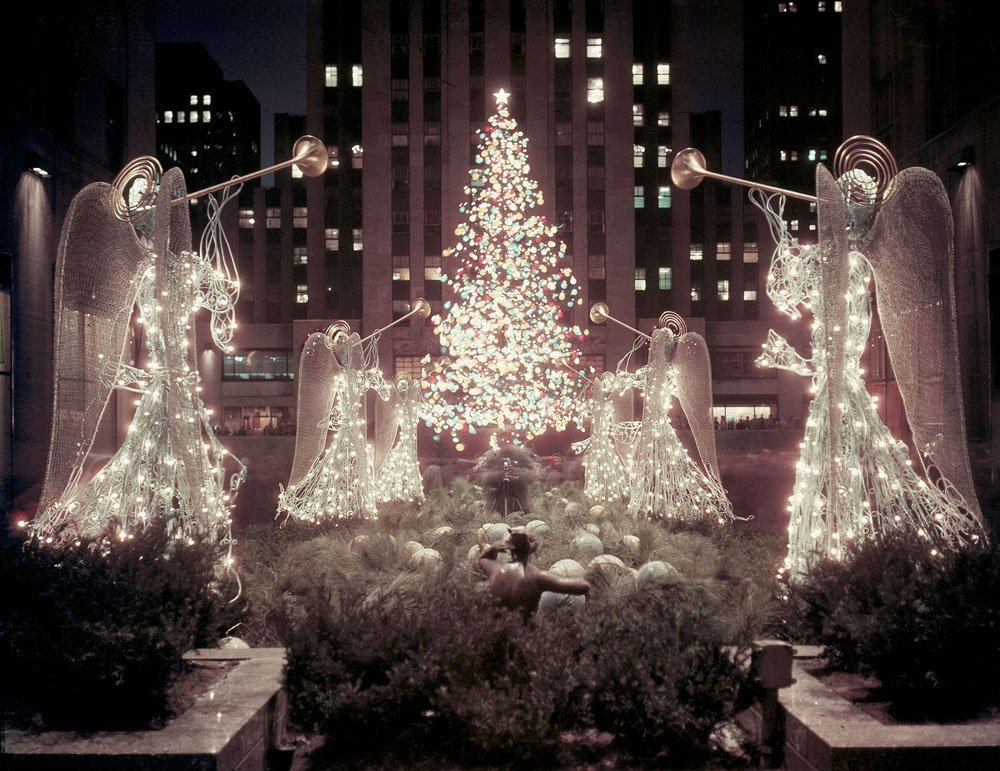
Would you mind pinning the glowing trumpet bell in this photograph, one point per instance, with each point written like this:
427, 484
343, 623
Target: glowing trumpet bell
311, 155
599, 313
688, 169
674, 322
421, 307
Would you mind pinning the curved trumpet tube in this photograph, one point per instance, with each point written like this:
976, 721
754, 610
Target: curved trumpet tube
308, 153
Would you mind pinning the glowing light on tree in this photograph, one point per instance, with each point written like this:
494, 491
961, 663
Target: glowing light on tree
507, 330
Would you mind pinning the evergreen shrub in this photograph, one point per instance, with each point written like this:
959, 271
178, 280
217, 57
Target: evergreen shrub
92, 640
926, 625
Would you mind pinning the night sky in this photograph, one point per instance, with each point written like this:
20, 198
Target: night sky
262, 42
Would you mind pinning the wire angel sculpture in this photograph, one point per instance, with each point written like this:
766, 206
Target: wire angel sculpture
666, 481
333, 482
853, 478
397, 475
606, 475
171, 468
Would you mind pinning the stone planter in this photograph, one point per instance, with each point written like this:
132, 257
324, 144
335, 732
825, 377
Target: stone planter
823, 731
232, 728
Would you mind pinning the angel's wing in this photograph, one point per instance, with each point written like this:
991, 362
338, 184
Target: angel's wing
694, 392
386, 424
318, 366
835, 274
96, 280
911, 253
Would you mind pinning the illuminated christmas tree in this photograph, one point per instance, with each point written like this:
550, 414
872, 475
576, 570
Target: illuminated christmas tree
506, 332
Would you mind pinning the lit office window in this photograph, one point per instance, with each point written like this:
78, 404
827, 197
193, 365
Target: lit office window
663, 197
793, 111
663, 74
812, 155
193, 99
168, 116
640, 279
193, 116
357, 157
723, 252
595, 90
300, 255
300, 216
665, 278
637, 114
750, 253
637, 75
663, 118
749, 295
697, 252
783, 155
695, 294
638, 197
783, 111
356, 77
331, 75
595, 47
562, 48
723, 288
181, 116
400, 274
272, 217
301, 293
332, 239
206, 100
638, 151
296, 172
821, 58
206, 116
793, 225
358, 239
246, 218
661, 156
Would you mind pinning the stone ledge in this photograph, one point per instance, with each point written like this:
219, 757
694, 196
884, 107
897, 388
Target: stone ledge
825, 732
230, 728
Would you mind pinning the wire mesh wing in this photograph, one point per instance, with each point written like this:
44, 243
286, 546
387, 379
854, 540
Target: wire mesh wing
911, 253
835, 273
96, 270
318, 367
386, 425
694, 392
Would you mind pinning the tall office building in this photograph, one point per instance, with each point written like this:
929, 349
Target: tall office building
924, 77
792, 97
77, 108
206, 125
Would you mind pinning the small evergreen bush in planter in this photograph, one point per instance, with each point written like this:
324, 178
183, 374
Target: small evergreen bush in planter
92, 640
927, 625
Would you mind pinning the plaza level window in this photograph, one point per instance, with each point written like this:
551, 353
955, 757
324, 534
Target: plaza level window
258, 365
562, 48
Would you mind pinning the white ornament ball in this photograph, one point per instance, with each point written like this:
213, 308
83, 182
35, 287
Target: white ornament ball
631, 542
496, 532
412, 547
656, 570
574, 509
588, 545
591, 528
567, 569
233, 643
549, 601
606, 561
426, 558
443, 530
474, 552
598, 511
358, 542
538, 527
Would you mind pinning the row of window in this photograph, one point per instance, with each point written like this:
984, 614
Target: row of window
639, 116
330, 75
662, 74
188, 116
793, 155
821, 6
662, 197
792, 111
639, 156
665, 282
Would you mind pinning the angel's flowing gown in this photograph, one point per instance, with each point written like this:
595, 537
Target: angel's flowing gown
606, 478
170, 466
399, 477
339, 483
667, 482
877, 489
